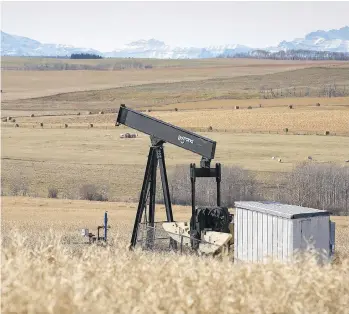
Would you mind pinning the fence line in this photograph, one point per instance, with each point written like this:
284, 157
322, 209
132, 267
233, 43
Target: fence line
194, 129
327, 90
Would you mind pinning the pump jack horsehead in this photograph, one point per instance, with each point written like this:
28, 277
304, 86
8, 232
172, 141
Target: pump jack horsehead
210, 229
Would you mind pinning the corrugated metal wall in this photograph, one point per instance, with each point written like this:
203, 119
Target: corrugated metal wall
314, 228
258, 235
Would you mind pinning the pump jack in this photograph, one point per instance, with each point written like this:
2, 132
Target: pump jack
206, 222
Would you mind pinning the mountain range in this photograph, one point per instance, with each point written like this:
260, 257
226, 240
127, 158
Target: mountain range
335, 40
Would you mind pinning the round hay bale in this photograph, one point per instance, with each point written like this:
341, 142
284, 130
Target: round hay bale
101, 112
91, 125
41, 124
89, 112
9, 118
237, 107
78, 113
317, 104
279, 160
176, 109
4, 119
327, 132
13, 120
32, 115
65, 125
249, 107
210, 128
290, 106
16, 125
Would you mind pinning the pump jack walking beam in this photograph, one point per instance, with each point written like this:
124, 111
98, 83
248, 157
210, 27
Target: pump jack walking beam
161, 132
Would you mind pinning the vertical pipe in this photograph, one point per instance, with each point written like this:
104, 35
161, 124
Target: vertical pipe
105, 225
192, 179
218, 180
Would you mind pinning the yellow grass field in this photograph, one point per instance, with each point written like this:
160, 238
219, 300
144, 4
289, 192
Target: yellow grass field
43, 273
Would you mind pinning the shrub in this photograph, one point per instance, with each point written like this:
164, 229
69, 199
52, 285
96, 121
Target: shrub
210, 128
19, 186
249, 107
52, 192
322, 186
176, 109
327, 132
91, 193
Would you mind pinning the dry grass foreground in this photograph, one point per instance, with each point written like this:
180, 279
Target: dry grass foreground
40, 274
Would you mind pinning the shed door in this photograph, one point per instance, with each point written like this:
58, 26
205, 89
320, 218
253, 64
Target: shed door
305, 233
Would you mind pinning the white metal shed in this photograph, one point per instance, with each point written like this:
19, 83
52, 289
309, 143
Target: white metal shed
274, 230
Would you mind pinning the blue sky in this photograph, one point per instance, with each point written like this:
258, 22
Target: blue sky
109, 25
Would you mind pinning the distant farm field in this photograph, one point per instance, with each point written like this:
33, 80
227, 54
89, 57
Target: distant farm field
263, 116
60, 139
44, 81
68, 158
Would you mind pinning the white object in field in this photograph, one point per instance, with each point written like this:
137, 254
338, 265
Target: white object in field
272, 230
213, 241
84, 232
180, 232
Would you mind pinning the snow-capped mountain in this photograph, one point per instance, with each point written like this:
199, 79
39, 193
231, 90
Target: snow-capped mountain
153, 48
335, 40
12, 45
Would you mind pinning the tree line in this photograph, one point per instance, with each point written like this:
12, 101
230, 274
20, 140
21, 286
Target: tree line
321, 186
290, 55
85, 56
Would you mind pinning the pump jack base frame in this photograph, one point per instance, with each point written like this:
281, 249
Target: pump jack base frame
156, 158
